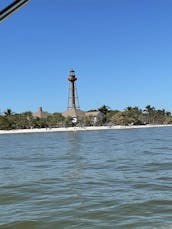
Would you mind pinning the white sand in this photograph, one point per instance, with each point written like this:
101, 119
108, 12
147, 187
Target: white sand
48, 130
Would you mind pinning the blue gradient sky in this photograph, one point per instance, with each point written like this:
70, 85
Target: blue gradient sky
121, 51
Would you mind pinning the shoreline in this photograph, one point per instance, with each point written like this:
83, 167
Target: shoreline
69, 129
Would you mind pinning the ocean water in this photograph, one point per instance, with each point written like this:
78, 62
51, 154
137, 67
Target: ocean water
87, 180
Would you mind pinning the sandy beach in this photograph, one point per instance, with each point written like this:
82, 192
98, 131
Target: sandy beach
89, 128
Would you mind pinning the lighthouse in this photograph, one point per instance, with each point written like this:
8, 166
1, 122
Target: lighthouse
73, 101
73, 107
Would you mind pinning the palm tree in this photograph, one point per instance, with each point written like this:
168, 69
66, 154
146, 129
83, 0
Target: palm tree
168, 113
150, 111
134, 114
104, 109
8, 112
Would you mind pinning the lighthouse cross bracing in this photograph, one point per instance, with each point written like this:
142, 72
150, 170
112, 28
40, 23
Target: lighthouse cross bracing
73, 100
73, 108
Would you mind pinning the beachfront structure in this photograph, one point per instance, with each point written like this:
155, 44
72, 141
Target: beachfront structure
73, 107
40, 113
94, 116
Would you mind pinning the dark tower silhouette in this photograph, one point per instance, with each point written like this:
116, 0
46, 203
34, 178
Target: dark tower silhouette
73, 101
73, 108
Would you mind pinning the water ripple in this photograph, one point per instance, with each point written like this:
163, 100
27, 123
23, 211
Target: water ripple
101, 179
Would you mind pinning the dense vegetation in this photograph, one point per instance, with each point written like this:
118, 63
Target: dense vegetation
136, 116
130, 116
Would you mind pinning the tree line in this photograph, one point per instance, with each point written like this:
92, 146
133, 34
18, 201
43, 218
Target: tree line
129, 116
136, 116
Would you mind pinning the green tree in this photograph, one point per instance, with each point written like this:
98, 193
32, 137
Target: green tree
133, 115
150, 114
4, 123
8, 112
55, 120
117, 118
104, 109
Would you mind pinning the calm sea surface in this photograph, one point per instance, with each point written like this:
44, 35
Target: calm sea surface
90, 179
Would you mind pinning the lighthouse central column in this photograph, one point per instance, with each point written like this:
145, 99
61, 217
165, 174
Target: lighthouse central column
72, 78
73, 108
73, 94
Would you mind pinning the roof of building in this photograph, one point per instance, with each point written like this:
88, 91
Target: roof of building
73, 113
40, 113
92, 113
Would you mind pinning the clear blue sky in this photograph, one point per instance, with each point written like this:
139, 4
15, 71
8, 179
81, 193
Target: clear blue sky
121, 51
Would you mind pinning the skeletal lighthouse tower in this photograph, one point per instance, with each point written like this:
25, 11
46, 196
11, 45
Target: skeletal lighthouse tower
73, 101
73, 108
